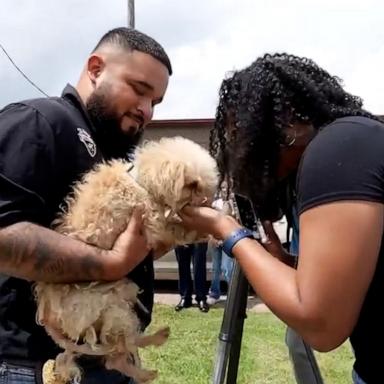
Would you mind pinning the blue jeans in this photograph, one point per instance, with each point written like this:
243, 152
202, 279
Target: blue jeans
197, 253
221, 263
356, 378
226, 267
16, 374
13, 374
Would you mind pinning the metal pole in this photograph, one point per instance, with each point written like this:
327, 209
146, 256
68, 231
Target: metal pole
231, 333
228, 351
131, 13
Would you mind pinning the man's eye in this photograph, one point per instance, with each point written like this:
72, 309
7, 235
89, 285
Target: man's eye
138, 91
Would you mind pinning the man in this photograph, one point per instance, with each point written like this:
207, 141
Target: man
45, 146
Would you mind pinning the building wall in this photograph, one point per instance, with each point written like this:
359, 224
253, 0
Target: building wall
196, 130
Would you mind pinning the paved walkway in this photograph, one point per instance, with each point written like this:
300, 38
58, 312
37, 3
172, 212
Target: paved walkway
254, 304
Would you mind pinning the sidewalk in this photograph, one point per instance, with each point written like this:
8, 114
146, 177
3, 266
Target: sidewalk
254, 304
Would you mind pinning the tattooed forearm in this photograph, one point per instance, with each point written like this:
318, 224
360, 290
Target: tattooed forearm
39, 254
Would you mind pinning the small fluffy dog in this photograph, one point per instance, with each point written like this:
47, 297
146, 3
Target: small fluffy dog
98, 318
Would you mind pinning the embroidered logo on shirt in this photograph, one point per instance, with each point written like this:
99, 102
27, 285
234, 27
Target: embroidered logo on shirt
86, 139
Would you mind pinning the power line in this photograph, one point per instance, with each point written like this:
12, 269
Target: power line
21, 72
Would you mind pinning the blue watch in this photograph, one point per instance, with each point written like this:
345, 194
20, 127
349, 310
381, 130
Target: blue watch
234, 237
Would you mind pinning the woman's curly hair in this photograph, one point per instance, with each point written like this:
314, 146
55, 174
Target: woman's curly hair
258, 103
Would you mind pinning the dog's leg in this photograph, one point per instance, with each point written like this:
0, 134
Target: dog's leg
65, 369
71, 346
158, 338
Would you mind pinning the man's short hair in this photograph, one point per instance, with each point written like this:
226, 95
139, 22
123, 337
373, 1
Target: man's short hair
132, 39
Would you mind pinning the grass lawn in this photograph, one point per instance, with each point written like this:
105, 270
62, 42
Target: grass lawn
188, 356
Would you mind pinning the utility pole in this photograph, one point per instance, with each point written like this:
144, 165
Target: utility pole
131, 13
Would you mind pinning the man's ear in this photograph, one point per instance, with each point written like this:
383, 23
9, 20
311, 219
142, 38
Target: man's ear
95, 66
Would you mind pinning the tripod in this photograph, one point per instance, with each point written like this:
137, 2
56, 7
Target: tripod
231, 333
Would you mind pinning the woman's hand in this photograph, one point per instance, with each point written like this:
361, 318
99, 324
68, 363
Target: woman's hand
208, 221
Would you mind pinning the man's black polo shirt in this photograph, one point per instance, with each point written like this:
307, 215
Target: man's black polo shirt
45, 146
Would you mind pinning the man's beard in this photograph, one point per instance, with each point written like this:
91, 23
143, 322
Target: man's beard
113, 142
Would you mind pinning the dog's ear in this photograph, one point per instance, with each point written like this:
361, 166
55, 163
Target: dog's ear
175, 175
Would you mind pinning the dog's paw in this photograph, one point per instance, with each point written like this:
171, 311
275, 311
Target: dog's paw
145, 376
161, 336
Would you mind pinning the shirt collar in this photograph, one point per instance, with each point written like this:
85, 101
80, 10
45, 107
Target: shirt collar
70, 93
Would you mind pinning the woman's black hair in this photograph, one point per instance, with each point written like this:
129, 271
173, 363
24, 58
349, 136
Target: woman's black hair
258, 103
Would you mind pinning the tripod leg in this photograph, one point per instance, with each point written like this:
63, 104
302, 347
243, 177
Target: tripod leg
228, 351
235, 310
234, 355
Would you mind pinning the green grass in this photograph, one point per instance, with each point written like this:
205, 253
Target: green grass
188, 356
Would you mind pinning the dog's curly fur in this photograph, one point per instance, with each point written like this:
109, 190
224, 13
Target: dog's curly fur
98, 318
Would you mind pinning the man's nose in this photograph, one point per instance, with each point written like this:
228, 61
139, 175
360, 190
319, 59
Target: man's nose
146, 109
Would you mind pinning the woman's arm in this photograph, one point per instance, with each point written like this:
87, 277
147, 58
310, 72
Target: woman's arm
339, 247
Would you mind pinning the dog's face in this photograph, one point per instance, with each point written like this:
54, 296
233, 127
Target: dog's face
189, 185
176, 172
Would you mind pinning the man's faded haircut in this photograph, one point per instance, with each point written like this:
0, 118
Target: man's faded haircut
134, 40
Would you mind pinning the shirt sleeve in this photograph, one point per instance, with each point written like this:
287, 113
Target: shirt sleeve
345, 161
26, 165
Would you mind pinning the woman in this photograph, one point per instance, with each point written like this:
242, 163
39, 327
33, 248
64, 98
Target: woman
283, 114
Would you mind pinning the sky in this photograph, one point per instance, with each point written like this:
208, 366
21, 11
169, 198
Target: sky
205, 39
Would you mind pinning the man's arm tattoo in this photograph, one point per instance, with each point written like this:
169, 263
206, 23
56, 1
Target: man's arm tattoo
39, 254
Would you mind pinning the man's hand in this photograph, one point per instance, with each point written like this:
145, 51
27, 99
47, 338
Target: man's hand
130, 248
161, 249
